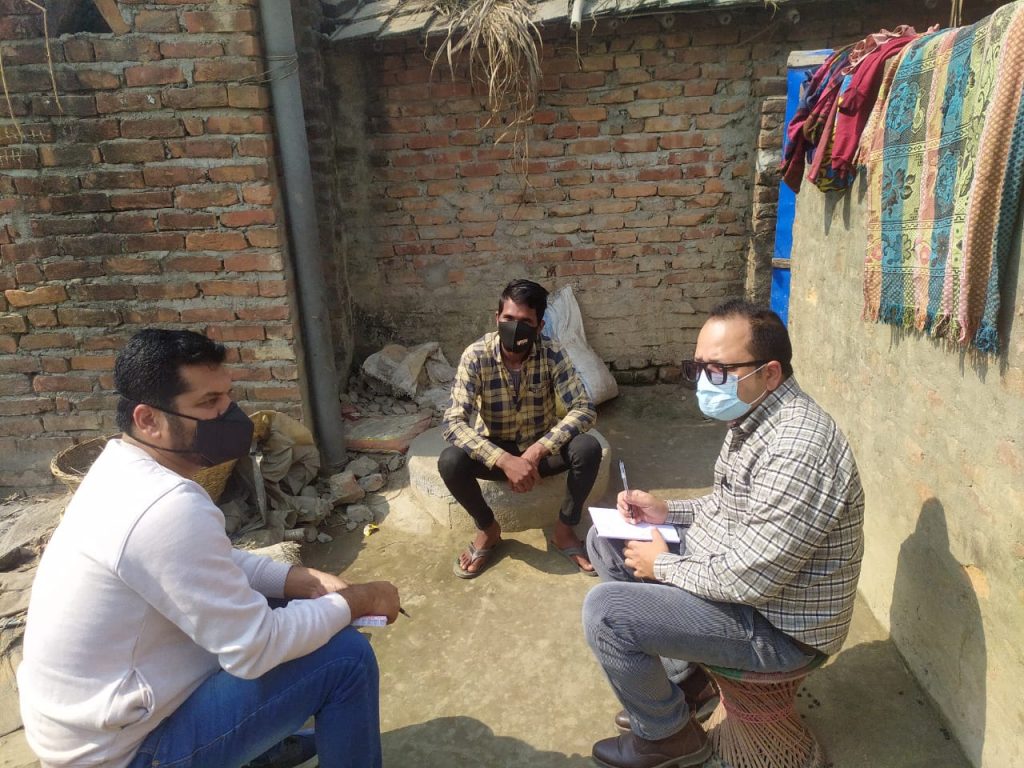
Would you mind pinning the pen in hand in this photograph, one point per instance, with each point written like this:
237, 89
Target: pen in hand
625, 487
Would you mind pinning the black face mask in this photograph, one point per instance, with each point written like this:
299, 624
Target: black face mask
224, 438
517, 336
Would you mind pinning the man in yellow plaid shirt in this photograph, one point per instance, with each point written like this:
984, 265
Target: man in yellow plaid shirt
503, 425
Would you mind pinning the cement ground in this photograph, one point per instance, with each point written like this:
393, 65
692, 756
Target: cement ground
495, 673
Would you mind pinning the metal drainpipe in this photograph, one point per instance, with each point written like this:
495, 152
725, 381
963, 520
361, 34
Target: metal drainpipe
303, 232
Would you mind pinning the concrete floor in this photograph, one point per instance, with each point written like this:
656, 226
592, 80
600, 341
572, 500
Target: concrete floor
495, 671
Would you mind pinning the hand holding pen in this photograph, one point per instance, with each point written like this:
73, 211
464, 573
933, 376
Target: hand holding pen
631, 511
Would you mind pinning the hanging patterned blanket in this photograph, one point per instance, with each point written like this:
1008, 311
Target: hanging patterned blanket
945, 163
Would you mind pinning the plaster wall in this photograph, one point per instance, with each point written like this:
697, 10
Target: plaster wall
937, 436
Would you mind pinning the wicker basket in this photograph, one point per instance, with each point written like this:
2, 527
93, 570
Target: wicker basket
70, 465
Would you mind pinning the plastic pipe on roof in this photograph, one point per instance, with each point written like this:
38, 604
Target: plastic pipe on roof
576, 17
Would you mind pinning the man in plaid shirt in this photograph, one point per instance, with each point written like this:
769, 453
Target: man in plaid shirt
766, 574
503, 425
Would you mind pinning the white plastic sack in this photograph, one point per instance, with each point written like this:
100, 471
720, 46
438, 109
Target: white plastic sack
407, 371
563, 322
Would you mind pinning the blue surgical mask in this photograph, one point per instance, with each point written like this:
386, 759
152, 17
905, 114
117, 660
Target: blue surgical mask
720, 401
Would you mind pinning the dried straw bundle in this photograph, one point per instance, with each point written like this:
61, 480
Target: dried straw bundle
500, 44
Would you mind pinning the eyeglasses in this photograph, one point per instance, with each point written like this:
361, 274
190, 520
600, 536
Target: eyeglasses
717, 373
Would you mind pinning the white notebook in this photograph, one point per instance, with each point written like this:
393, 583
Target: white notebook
611, 525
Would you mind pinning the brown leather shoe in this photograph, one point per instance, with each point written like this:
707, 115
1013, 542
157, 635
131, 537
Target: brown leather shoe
701, 697
688, 747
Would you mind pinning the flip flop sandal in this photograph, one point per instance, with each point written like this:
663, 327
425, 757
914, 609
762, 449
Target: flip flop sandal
575, 551
483, 555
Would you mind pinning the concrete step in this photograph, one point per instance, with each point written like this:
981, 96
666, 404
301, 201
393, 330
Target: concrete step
514, 511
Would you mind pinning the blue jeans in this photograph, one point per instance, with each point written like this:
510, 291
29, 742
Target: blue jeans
228, 721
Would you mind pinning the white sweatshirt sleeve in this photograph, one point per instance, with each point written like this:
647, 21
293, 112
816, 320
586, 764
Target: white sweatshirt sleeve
178, 558
265, 575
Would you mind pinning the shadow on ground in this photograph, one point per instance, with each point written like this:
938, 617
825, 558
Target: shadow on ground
494, 671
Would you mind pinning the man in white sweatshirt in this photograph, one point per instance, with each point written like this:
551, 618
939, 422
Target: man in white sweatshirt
150, 640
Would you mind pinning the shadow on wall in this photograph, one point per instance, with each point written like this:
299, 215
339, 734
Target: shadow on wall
462, 742
936, 624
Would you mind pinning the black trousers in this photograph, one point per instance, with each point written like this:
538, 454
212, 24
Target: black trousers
580, 457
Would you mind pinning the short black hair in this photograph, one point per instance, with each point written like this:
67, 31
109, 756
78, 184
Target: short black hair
148, 369
528, 294
769, 339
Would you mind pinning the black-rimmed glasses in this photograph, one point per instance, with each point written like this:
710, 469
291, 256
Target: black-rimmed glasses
717, 373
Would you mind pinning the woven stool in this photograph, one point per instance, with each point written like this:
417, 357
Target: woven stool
756, 724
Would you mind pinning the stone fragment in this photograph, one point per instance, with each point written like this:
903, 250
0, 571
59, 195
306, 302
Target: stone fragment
359, 514
363, 466
371, 483
345, 489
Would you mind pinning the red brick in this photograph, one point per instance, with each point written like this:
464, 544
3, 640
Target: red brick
62, 384
186, 220
157, 21
67, 155
187, 49
273, 312
128, 222
258, 194
125, 48
112, 180
637, 144
177, 148
214, 241
236, 124
29, 250
47, 294
203, 197
125, 265
193, 264
165, 290
136, 200
247, 218
256, 146
207, 315
274, 393
273, 288
103, 292
27, 273
33, 341
243, 45
269, 237
128, 101
21, 427
152, 316
225, 70
240, 173
95, 80
236, 332
15, 385
229, 288
132, 151
11, 323
195, 97
80, 203
25, 406
54, 365
172, 175
42, 317
72, 317
153, 74
89, 246
151, 128
219, 21
153, 241
248, 97
253, 262
8, 345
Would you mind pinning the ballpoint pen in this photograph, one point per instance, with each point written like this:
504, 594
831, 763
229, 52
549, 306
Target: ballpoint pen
625, 487
404, 613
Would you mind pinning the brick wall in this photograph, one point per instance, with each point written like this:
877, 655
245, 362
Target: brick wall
150, 201
640, 187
